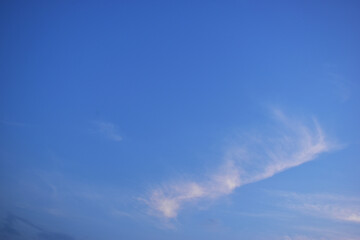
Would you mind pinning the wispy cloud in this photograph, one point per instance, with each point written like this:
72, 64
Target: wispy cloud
292, 144
340, 208
16, 227
342, 86
58, 195
109, 130
321, 233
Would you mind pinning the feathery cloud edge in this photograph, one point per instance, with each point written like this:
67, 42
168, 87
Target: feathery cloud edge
329, 206
294, 144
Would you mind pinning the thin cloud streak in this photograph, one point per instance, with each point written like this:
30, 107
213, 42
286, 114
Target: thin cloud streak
333, 207
294, 144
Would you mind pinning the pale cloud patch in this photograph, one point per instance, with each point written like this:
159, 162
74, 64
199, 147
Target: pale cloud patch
342, 87
109, 130
335, 207
168, 199
292, 144
60, 195
321, 233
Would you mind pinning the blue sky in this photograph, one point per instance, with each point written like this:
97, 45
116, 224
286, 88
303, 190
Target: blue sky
180, 120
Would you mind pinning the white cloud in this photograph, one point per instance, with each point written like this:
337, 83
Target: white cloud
334, 207
109, 130
293, 144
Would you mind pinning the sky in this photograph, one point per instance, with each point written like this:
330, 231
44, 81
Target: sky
179, 120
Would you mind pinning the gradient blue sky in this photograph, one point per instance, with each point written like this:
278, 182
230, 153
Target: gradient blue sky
180, 119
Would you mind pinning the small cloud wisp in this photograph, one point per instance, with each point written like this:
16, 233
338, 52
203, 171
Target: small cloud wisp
339, 208
109, 130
